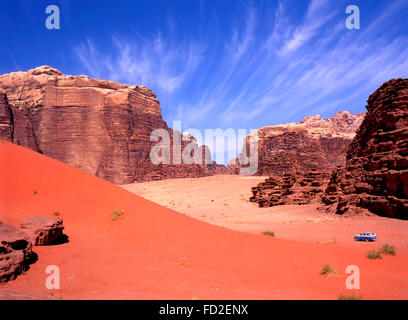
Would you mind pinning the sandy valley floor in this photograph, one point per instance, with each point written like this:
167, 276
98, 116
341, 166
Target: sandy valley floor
154, 252
224, 200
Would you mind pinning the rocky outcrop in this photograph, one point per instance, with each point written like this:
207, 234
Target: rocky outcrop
375, 176
313, 143
43, 230
297, 188
15, 252
99, 126
6, 121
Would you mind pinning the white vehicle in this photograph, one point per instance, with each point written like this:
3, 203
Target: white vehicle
366, 236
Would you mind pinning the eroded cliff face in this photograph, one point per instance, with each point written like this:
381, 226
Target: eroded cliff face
375, 176
312, 144
6, 120
99, 126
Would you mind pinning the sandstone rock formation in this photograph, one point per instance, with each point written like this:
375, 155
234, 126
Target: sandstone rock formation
297, 188
313, 143
15, 252
200, 163
43, 230
375, 176
99, 126
6, 121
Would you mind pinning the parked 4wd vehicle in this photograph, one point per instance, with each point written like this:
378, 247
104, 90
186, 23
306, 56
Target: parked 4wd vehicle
366, 236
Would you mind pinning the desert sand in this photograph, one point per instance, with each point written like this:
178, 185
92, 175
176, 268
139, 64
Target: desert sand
154, 252
224, 200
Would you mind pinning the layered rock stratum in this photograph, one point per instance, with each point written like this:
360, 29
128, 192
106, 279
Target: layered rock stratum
375, 176
313, 143
99, 126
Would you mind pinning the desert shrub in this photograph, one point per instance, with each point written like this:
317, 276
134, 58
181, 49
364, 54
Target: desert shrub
56, 213
34, 192
117, 214
269, 233
333, 240
352, 297
373, 254
387, 249
327, 270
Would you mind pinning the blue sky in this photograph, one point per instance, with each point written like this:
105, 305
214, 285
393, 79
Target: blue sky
219, 63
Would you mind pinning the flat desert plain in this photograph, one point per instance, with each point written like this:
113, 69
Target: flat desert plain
155, 252
223, 200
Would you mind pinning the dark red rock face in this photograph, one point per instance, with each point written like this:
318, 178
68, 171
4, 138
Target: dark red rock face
375, 176
312, 144
99, 126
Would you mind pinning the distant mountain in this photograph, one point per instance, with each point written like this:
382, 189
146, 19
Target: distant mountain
313, 143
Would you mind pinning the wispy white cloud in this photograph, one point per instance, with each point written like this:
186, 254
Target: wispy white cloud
321, 66
317, 15
241, 41
155, 63
271, 65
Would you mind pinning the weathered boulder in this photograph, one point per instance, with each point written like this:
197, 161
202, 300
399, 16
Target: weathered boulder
15, 252
99, 126
313, 143
375, 176
43, 230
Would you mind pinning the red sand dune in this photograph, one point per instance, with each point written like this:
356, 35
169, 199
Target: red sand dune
153, 252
